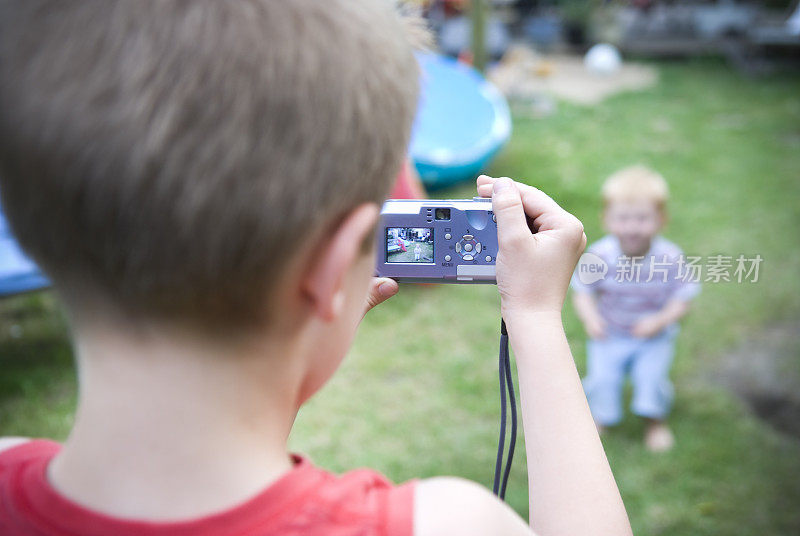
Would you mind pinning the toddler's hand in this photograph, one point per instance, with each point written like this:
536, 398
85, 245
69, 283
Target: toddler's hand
647, 327
533, 270
595, 327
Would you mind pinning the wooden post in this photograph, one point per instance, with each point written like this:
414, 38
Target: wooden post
478, 15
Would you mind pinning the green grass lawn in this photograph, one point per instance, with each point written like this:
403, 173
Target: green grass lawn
418, 394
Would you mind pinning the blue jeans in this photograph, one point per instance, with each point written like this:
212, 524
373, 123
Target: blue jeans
647, 361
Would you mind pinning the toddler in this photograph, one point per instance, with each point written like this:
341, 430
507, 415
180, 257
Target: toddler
630, 314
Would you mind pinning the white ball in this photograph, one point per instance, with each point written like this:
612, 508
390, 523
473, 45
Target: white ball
603, 59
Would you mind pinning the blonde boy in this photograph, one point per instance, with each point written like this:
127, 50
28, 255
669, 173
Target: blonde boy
631, 314
201, 181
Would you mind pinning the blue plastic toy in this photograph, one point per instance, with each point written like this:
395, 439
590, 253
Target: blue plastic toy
17, 272
462, 122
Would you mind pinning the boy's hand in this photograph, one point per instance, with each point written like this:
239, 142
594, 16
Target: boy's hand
533, 270
380, 290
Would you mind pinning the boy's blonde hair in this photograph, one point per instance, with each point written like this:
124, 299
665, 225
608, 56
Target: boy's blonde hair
168, 158
636, 183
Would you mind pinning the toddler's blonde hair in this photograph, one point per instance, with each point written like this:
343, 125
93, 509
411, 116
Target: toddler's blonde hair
636, 183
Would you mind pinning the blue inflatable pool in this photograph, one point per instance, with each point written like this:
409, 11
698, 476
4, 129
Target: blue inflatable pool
17, 272
462, 122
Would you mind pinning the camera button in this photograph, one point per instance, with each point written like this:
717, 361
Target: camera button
468, 257
448, 236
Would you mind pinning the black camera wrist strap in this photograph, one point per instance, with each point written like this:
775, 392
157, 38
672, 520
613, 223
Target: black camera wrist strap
506, 386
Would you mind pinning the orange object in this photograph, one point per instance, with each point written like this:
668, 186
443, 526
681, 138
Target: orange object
466, 57
408, 185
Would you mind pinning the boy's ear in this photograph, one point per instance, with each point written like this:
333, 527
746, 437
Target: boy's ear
337, 251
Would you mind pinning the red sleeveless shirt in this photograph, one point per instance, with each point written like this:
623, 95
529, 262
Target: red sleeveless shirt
307, 501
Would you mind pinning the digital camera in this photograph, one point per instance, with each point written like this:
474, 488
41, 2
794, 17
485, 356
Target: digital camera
437, 241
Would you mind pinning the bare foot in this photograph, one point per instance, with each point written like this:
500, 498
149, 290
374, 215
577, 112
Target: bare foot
658, 437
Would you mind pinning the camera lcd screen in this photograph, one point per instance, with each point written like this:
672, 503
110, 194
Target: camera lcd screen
411, 245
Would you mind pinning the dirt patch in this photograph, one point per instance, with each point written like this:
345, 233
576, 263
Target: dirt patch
524, 74
765, 373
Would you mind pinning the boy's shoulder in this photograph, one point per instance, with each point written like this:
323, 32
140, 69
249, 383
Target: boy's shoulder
450, 505
441, 505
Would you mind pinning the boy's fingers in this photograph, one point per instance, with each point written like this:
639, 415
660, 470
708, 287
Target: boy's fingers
541, 208
549, 216
485, 190
484, 185
380, 290
485, 179
512, 227
535, 202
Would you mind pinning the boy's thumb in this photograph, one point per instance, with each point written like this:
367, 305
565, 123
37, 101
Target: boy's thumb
512, 227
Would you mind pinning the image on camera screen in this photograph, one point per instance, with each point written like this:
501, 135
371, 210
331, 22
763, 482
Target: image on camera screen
409, 245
